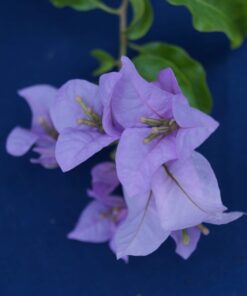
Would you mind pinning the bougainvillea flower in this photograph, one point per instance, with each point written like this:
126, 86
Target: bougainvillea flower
184, 194
42, 134
77, 115
100, 220
154, 120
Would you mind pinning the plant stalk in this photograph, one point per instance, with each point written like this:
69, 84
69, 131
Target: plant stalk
122, 28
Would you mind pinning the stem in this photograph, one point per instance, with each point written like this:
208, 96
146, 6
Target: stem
122, 12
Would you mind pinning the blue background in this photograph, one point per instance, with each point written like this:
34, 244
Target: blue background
41, 44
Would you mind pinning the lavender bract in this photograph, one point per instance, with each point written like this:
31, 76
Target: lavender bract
100, 220
77, 116
154, 122
104, 180
183, 194
42, 134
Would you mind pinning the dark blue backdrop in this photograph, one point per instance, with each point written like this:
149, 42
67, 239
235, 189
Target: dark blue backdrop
41, 44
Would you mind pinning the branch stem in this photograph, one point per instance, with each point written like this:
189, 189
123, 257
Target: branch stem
122, 12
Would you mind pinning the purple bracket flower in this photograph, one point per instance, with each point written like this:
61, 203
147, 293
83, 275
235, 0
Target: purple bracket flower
42, 133
100, 220
77, 115
184, 194
154, 120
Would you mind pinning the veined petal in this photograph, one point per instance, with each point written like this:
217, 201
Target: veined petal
134, 98
66, 110
48, 162
104, 178
182, 249
168, 82
187, 194
40, 99
110, 200
107, 85
46, 148
195, 127
188, 117
76, 146
94, 224
137, 162
19, 141
224, 218
112, 246
141, 233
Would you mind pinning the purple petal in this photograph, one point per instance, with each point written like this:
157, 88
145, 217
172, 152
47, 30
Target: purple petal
133, 98
189, 195
46, 162
137, 162
196, 127
185, 250
40, 99
76, 146
141, 233
104, 178
94, 224
107, 84
110, 200
46, 148
168, 82
112, 246
66, 110
224, 218
19, 141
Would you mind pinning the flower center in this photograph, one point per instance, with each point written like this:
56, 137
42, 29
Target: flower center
185, 237
94, 119
160, 127
50, 131
111, 212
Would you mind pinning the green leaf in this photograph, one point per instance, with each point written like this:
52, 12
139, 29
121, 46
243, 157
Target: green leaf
81, 5
107, 62
190, 74
228, 16
142, 19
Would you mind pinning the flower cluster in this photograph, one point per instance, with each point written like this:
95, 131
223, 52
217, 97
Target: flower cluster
42, 134
168, 188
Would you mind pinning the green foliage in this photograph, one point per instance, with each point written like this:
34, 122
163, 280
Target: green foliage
228, 16
107, 62
81, 5
190, 74
142, 19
